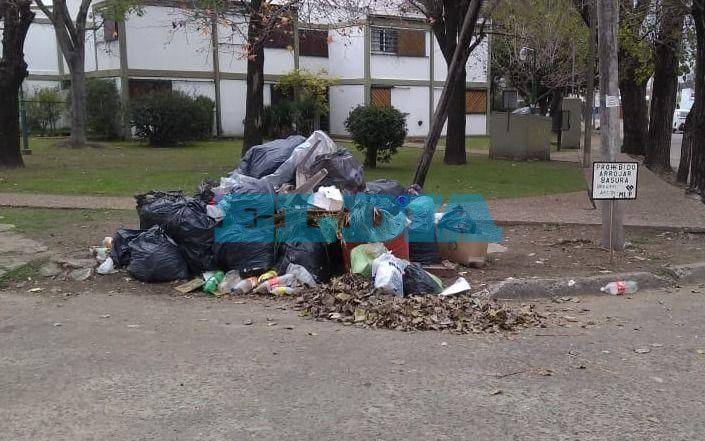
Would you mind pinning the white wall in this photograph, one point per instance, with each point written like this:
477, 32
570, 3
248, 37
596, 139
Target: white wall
476, 65
40, 49
414, 102
342, 100
278, 61
153, 44
475, 124
385, 66
233, 95
346, 53
314, 64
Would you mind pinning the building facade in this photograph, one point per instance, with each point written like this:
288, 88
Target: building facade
380, 59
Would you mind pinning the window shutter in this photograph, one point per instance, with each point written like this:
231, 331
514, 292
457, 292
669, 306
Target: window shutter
313, 43
381, 97
110, 30
476, 101
281, 37
412, 43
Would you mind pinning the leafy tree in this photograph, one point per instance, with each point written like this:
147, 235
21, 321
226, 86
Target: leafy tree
15, 18
378, 131
103, 106
44, 110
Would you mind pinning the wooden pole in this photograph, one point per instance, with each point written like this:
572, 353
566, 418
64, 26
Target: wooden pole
608, 23
460, 57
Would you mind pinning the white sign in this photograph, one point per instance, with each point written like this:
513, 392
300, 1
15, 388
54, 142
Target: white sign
614, 180
612, 101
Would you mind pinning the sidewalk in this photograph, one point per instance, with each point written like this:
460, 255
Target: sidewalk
659, 204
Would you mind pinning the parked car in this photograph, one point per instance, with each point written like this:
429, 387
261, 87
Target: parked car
679, 117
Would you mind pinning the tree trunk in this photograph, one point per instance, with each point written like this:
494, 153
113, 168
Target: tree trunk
694, 137
635, 114
254, 104
371, 157
10, 156
665, 89
590, 78
455, 135
16, 17
78, 100
683, 174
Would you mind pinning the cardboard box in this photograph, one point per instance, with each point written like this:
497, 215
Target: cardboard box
464, 253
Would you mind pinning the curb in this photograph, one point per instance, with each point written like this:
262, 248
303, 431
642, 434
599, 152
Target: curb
527, 288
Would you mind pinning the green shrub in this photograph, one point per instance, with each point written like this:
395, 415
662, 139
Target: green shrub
289, 117
44, 109
378, 131
170, 118
102, 109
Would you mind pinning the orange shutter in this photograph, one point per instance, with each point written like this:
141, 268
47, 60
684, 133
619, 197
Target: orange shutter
412, 43
381, 97
476, 101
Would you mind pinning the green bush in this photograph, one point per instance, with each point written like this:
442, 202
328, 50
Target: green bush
44, 108
102, 109
289, 117
378, 131
170, 118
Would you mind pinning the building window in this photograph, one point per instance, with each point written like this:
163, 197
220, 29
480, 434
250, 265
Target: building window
381, 96
281, 37
476, 101
385, 40
140, 88
402, 42
110, 30
313, 43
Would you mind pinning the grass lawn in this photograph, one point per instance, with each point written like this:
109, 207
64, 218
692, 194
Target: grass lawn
123, 169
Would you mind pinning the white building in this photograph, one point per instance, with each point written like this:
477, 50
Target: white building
381, 59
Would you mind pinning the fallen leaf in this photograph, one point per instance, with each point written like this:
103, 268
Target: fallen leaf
642, 350
545, 372
105, 316
247, 322
35, 289
496, 392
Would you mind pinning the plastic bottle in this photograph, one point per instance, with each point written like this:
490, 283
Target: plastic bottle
620, 288
283, 290
232, 278
266, 276
213, 281
244, 286
269, 285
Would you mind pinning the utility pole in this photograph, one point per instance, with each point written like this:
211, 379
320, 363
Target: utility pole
608, 24
590, 89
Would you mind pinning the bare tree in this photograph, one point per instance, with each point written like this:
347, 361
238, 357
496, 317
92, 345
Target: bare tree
15, 19
445, 17
471, 35
692, 166
665, 85
71, 36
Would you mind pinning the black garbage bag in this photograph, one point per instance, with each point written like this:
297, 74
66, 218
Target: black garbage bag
120, 253
205, 190
193, 231
155, 257
245, 257
423, 244
157, 207
388, 187
265, 159
417, 281
311, 255
344, 171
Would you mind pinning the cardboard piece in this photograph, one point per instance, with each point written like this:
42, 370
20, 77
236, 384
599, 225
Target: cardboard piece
464, 253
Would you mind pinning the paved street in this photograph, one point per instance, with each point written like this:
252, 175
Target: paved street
129, 366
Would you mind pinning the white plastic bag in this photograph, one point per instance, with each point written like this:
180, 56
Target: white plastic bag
388, 274
301, 274
107, 267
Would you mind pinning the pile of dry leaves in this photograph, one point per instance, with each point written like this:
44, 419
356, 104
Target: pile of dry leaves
351, 299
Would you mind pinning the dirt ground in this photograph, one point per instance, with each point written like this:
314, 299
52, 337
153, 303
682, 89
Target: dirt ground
532, 251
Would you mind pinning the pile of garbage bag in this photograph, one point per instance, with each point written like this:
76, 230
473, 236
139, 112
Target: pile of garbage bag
295, 213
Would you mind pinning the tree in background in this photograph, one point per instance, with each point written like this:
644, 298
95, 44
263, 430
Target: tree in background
671, 14
635, 69
256, 23
44, 110
446, 18
15, 19
556, 40
692, 166
71, 36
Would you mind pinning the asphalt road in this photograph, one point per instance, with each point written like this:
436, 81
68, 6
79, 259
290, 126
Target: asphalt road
125, 366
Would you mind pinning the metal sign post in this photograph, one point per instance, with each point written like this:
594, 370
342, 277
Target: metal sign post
614, 181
